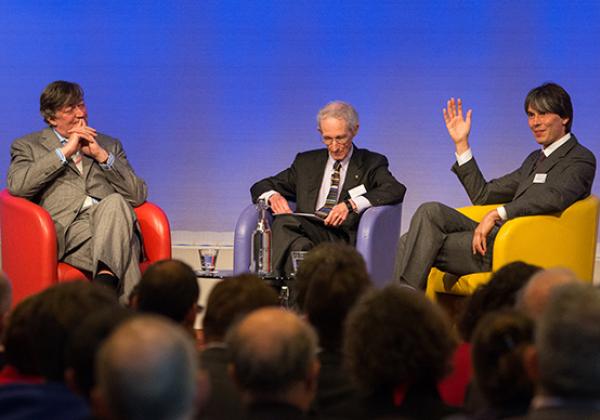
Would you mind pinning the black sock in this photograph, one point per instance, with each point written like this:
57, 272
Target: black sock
108, 280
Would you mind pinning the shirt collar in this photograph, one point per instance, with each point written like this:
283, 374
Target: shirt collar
550, 149
60, 138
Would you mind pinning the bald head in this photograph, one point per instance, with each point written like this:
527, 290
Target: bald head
147, 370
535, 294
272, 350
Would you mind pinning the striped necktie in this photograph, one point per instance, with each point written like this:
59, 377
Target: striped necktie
332, 196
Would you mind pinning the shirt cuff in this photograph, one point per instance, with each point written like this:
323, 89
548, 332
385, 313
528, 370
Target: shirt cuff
502, 213
362, 203
109, 162
464, 157
61, 156
266, 195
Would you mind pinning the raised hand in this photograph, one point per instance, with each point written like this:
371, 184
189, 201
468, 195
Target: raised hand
458, 127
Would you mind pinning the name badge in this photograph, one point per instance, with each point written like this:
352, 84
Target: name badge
539, 178
357, 191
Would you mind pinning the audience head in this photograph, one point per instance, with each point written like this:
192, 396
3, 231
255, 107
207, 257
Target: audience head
551, 98
146, 370
567, 341
232, 299
500, 292
59, 94
57, 311
19, 342
273, 357
5, 299
84, 344
396, 336
535, 294
170, 288
329, 282
498, 351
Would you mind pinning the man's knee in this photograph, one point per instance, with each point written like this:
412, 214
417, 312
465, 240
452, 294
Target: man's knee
116, 203
431, 210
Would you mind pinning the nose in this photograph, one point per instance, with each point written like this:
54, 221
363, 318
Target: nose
80, 111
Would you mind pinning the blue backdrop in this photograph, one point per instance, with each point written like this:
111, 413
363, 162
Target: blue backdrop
209, 96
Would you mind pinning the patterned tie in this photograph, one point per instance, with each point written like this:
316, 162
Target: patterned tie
333, 191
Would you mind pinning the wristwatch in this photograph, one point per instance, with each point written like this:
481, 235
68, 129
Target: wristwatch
349, 205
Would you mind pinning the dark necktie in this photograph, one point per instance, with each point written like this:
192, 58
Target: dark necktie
541, 158
333, 191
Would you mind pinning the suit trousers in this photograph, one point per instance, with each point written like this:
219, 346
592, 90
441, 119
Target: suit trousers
295, 233
439, 236
106, 232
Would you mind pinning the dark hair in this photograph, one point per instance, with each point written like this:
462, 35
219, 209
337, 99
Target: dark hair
168, 288
497, 351
18, 341
85, 342
233, 298
329, 282
396, 336
57, 95
58, 310
552, 98
500, 292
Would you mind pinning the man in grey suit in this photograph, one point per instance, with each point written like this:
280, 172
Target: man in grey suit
337, 184
82, 178
548, 181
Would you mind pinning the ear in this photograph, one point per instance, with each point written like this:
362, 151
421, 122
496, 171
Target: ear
355, 130
99, 406
531, 363
312, 377
71, 381
565, 121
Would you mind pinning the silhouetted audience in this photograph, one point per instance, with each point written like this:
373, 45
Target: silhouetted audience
170, 288
329, 282
498, 347
147, 370
398, 346
84, 344
228, 301
535, 294
45, 325
566, 361
5, 304
500, 292
274, 363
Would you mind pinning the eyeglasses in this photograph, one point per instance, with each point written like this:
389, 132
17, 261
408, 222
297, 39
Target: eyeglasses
339, 139
72, 108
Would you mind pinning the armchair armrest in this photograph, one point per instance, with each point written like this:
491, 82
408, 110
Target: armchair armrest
156, 231
377, 240
29, 247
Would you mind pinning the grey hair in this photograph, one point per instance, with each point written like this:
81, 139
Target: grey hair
568, 339
273, 369
147, 370
341, 111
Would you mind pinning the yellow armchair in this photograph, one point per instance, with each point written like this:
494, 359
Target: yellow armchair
566, 239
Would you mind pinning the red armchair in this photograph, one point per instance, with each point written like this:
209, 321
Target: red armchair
29, 254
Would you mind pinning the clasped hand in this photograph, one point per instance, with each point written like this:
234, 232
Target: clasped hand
83, 137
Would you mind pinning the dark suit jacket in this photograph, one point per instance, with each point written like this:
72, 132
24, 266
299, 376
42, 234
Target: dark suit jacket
37, 173
301, 182
569, 170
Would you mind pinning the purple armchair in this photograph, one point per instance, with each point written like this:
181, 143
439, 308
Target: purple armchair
376, 240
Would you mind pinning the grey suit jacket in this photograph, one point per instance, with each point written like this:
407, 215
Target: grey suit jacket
301, 182
37, 173
569, 174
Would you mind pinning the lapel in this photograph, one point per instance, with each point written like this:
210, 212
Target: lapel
545, 167
354, 173
51, 142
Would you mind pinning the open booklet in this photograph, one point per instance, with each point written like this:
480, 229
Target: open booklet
307, 215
